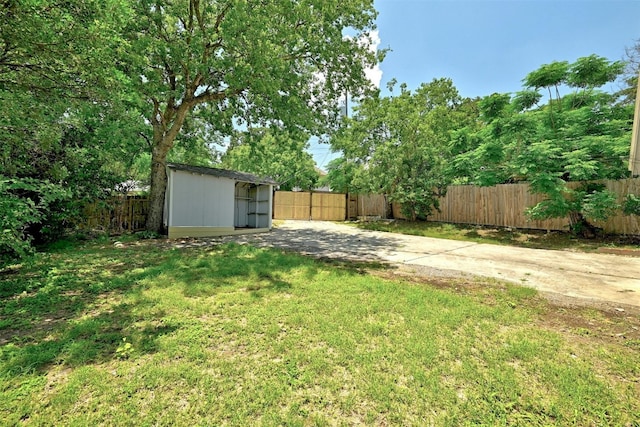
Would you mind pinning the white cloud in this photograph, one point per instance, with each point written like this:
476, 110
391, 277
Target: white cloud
374, 74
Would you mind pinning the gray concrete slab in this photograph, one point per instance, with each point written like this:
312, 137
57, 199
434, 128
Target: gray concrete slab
589, 276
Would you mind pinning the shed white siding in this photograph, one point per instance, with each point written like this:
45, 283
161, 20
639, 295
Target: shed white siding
200, 200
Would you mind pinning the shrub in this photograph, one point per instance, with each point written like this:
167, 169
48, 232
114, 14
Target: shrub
24, 203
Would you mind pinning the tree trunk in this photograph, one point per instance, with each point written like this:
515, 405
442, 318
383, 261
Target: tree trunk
163, 139
157, 190
579, 226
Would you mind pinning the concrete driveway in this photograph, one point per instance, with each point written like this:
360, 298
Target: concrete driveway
589, 277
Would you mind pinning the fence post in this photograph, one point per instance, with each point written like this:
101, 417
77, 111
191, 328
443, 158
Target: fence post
130, 214
346, 202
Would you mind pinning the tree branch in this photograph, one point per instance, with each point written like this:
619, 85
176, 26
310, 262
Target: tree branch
214, 96
220, 18
146, 138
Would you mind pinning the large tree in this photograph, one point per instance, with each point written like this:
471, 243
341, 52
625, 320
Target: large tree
403, 143
277, 155
244, 63
65, 133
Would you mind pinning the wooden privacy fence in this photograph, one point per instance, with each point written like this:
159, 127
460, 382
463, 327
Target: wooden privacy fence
501, 205
504, 206
116, 215
129, 213
307, 206
327, 206
368, 206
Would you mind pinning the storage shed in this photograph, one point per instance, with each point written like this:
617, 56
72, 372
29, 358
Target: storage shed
205, 202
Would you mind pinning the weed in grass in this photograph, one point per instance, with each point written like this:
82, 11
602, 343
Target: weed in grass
635, 344
124, 350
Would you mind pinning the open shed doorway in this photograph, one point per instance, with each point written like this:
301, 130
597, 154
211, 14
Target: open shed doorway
252, 208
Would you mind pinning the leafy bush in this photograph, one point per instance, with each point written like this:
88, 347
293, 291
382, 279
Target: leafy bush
24, 203
599, 204
589, 202
631, 205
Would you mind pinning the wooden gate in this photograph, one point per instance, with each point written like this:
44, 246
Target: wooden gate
292, 205
309, 206
328, 206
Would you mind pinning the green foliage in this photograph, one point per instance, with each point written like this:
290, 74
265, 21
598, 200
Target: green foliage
525, 99
56, 72
24, 203
588, 203
401, 144
598, 204
548, 75
494, 106
124, 350
631, 205
69, 132
341, 174
274, 154
88, 155
198, 144
593, 71
582, 136
243, 64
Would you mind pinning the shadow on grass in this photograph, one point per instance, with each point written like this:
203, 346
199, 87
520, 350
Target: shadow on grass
325, 244
67, 307
81, 341
206, 271
75, 306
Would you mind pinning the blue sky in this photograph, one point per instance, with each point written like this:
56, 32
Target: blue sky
490, 46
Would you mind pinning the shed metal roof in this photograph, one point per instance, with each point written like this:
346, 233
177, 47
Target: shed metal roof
238, 176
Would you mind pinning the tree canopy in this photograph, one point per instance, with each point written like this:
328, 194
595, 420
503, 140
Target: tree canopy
66, 137
243, 63
581, 136
411, 146
277, 155
402, 143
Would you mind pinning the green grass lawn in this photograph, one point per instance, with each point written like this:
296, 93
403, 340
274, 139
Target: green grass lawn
233, 335
536, 239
